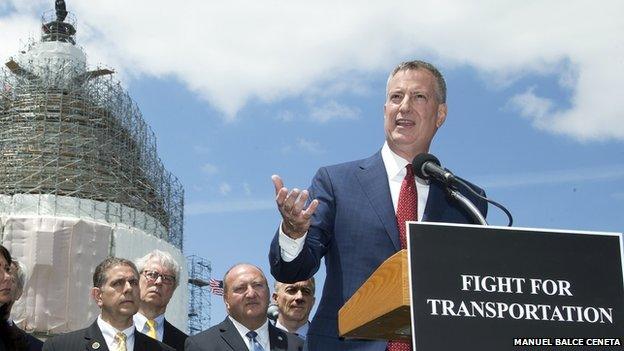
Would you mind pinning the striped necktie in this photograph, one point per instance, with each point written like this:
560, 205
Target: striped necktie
151, 328
120, 338
255, 345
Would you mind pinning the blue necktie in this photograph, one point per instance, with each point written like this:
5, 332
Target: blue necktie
255, 345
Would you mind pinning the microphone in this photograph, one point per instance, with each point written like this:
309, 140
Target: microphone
427, 166
272, 311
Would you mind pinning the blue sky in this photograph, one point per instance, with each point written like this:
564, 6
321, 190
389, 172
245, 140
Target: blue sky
237, 92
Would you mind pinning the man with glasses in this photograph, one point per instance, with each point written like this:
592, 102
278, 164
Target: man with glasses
158, 280
116, 292
294, 303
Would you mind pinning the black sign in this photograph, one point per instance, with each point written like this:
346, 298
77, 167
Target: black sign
492, 288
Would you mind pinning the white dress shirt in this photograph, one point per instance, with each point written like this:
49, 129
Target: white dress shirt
263, 334
395, 171
140, 321
109, 332
302, 332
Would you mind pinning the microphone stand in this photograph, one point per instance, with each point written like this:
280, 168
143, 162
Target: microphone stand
468, 205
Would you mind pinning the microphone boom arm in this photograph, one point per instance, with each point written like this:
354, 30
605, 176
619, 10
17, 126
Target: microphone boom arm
468, 205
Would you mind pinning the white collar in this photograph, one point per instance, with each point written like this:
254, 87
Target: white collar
301, 332
395, 165
263, 331
109, 332
140, 320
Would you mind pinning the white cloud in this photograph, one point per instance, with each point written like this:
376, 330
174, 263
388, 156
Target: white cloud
225, 188
593, 174
333, 110
247, 205
209, 168
231, 52
309, 146
533, 107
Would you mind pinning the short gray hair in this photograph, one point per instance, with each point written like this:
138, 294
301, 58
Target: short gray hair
417, 64
162, 257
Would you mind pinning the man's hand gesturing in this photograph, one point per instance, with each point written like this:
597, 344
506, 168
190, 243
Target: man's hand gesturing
295, 218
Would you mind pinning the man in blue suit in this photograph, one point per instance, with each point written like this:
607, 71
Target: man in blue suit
348, 215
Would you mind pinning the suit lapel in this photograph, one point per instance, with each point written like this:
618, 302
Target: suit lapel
371, 171
140, 342
94, 338
230, 335
166, 332
436, 202
277, 339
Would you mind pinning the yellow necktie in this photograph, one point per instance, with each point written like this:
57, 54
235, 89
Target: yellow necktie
120, 338
151, 328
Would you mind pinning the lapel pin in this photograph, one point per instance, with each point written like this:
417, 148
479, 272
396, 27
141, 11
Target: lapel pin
95, 345
279, 337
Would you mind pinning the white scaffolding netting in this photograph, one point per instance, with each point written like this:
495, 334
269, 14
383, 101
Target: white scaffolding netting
71, 132
60, 254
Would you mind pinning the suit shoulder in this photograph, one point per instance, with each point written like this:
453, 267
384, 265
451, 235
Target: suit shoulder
151, 344
80, 333
208, 334
347, 169
63, 341
349, 165
170, 328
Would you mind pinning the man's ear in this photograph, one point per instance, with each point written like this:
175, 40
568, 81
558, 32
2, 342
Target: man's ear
96, 295
274, 297
442, 111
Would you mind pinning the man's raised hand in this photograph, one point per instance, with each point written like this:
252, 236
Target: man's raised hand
295, 218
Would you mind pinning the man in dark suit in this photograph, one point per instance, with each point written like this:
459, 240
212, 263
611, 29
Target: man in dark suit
352, 219
294, 303
159, 277
116, 292
246, 297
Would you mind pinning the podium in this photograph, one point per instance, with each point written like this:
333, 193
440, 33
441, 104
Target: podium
380, 309
494, 288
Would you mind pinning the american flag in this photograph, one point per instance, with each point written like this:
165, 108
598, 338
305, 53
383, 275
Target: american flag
216, 286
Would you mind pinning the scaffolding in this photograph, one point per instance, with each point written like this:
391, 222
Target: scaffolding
70, 132
200, 272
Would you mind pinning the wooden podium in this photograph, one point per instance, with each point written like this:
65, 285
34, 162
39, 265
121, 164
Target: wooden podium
380, 308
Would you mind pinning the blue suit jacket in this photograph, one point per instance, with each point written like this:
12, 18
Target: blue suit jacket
355, 229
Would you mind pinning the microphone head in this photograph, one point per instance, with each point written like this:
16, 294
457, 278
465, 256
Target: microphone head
273, 311
419, 161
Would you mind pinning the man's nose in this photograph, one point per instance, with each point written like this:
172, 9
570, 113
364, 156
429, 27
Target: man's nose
251, 292
406, 104
128, 286
299, 296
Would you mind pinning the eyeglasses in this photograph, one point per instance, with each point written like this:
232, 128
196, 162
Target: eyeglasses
153, 276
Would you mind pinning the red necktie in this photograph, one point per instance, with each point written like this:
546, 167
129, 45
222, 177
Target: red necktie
407, 210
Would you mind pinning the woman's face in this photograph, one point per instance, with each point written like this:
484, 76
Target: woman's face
5, 281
